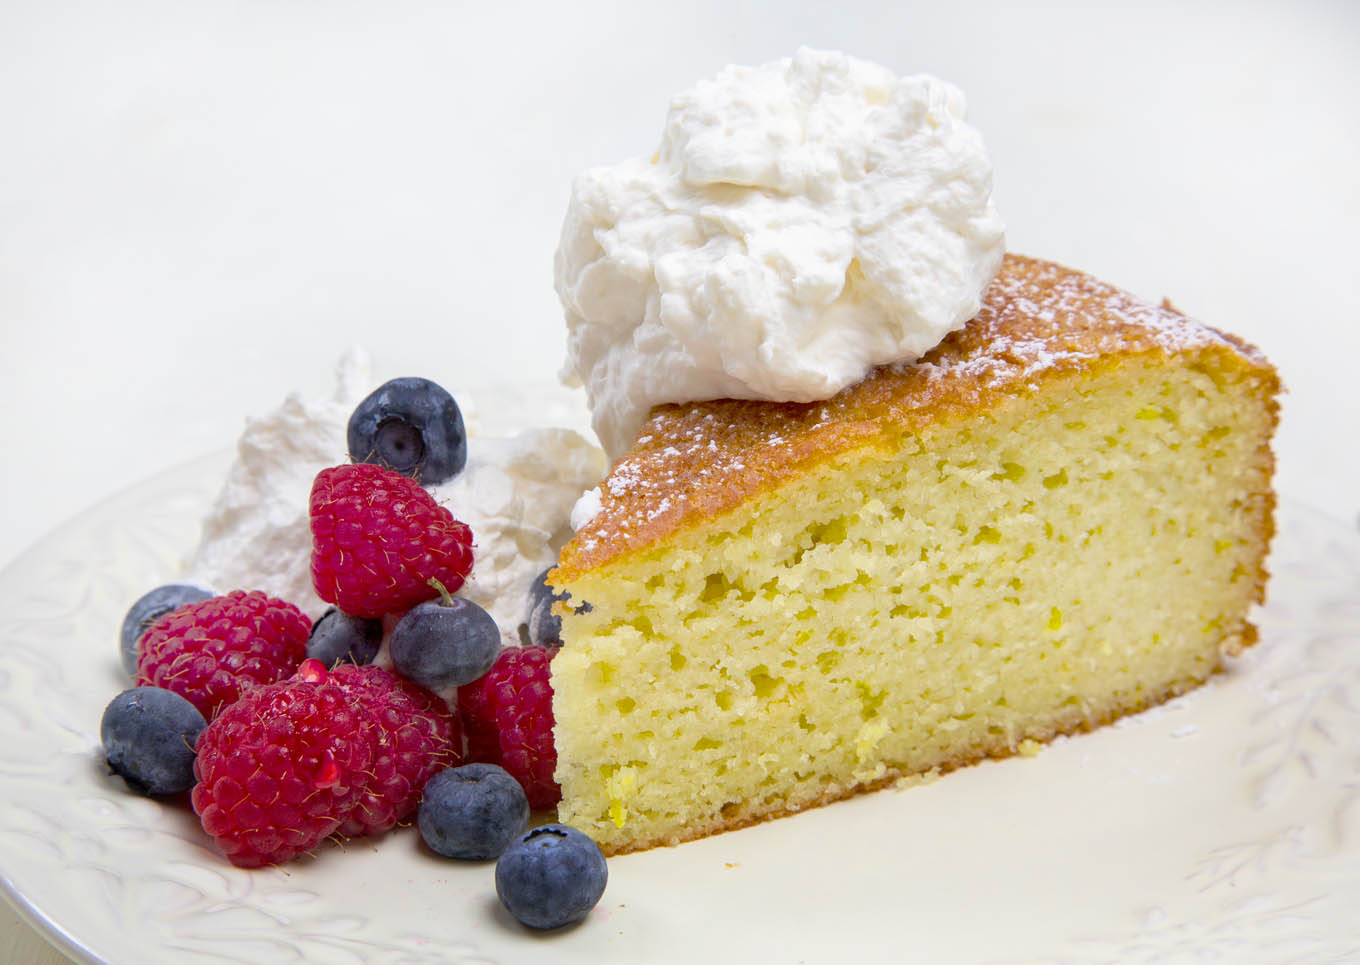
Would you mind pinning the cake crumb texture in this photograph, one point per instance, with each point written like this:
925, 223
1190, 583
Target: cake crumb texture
1058, 517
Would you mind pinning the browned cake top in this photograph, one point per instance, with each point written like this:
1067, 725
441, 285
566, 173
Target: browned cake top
694, 461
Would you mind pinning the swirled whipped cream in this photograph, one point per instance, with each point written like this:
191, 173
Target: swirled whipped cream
802, 222
516, 495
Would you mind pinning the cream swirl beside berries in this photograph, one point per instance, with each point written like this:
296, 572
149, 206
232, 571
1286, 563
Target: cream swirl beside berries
515, 494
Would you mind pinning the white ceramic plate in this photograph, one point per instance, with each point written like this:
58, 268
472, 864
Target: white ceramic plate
1225, 824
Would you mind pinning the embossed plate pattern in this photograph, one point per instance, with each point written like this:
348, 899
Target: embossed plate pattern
1223, 825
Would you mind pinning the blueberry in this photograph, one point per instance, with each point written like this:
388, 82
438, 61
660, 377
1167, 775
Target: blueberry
340, 638
150, 608
541, 590
551, 876
412, 426
445, 644
544, 628
472, 812
148, 736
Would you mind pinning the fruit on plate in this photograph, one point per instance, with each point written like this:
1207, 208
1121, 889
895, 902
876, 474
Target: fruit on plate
213, 651
378, 539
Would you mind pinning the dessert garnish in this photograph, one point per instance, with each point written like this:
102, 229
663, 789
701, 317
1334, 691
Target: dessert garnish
305, 737
800, 223
472, 812
444, 643
148, 736
281, 768
419, 736
379, 538
509, 720
551, 877
337, 638
213, 651
412, 426
149, 608
544, 627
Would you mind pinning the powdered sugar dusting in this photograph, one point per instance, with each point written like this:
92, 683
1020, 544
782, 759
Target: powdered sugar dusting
1050, 316
1038, 320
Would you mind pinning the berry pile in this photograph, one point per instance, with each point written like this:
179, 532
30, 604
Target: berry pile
287, 733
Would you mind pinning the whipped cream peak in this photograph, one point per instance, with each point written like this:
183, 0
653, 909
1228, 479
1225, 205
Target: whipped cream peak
802, 222
353, 376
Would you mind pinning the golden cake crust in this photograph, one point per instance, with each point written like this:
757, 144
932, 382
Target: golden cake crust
1038, 320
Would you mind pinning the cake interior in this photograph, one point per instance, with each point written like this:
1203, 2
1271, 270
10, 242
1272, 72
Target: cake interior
939, 595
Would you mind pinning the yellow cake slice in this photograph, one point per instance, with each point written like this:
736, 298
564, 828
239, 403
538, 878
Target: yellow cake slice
1057, 517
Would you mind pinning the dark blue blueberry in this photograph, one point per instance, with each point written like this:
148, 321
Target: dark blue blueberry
441, 645
551, 876
340, 638
412, 426
148, 736
150, 608
472, 812
540, 590
544, 628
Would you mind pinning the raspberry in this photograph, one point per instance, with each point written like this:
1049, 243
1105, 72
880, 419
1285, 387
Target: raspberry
281, 768
210, 653
509, 720
378, 538
417, 737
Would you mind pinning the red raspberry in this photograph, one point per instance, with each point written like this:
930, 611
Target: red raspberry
281, 768
212, 652
509, 721
378, 538
417, 737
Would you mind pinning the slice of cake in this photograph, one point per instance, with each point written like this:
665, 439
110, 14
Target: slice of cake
1057, 517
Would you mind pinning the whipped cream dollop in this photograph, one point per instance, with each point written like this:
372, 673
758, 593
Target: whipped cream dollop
802, 222
516, 494
587, 508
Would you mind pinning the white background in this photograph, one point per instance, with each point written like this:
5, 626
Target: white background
202, 204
